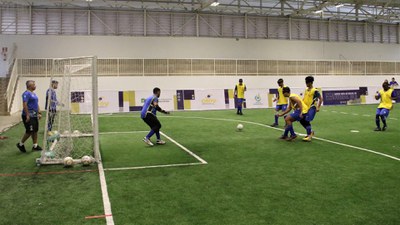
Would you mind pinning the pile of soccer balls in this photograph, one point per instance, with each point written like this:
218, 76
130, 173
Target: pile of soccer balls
85, 160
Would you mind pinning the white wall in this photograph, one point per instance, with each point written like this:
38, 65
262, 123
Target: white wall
205, 82
49, 46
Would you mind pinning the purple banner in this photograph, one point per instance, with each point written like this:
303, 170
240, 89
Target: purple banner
340, 97
179, 99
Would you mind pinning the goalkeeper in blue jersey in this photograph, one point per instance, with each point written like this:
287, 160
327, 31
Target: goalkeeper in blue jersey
148, 115
51, 104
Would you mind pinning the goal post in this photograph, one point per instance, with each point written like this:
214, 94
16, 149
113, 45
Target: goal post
71, 123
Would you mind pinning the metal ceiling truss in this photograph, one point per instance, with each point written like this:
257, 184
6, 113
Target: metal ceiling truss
384, 11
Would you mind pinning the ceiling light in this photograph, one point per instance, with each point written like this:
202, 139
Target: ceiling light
89, 0
339, 5
215, 4
319, 11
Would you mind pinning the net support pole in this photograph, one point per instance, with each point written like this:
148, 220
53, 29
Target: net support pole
95, 103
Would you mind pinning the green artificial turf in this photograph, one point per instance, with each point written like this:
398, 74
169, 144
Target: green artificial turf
251, 177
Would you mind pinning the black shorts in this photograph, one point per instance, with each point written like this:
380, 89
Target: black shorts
32, 125
152, 121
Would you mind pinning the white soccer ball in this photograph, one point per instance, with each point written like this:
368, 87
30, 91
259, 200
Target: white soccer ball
239, 127
76, 132
66, 132
86, 160
68, 161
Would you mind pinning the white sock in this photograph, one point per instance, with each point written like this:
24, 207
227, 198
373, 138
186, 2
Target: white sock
35, 145
21, 144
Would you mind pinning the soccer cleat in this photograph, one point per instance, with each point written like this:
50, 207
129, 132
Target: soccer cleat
21, 148
291, 138
274, 125
283, 137
38, 148
148, 142
378, 129
384, 128
309, 137
160, 142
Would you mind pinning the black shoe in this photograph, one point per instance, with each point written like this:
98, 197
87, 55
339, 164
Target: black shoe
384, 128
274, 125
241, 113
21, 148
378, 129
238, 113
38, 148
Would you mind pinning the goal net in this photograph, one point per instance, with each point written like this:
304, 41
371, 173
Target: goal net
71, 128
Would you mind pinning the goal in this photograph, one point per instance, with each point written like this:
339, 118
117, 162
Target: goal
71, 128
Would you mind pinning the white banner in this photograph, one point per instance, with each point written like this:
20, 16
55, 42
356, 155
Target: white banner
208, 99
108, 101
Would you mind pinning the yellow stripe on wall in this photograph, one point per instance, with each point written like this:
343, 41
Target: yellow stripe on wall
230, 93
75, 107
175, 103
187, 104
132, 100
270, 100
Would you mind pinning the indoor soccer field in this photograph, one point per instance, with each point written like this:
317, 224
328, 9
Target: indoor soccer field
211, 173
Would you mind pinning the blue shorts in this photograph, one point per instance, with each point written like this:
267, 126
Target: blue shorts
382, 112
281, 107
296, 115
239, 101
310, 114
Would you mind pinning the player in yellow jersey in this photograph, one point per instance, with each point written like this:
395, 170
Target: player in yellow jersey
240, 88
313, 99
386, 95
281, 104
300, 110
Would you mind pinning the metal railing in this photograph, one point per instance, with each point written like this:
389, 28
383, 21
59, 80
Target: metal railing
219, 67
12, 85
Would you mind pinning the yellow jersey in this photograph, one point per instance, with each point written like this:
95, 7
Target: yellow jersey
305, 107
309, 95
240, 89
282, 100
386, 99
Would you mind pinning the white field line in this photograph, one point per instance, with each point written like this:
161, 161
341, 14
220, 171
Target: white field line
275, 128
106, 199
366, 115
155, 166
125, 132
344, 113
184, 148
201, 161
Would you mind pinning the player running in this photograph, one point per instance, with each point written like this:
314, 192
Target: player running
239, 95
386, 95
281, 104
300, 112
313, 99
148, 115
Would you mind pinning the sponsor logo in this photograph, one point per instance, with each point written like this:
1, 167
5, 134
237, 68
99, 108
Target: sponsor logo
258, 99
208, 100
103, 103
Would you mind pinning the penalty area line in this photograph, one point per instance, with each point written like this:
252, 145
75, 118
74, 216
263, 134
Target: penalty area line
124, 132
184, 148
155, 166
